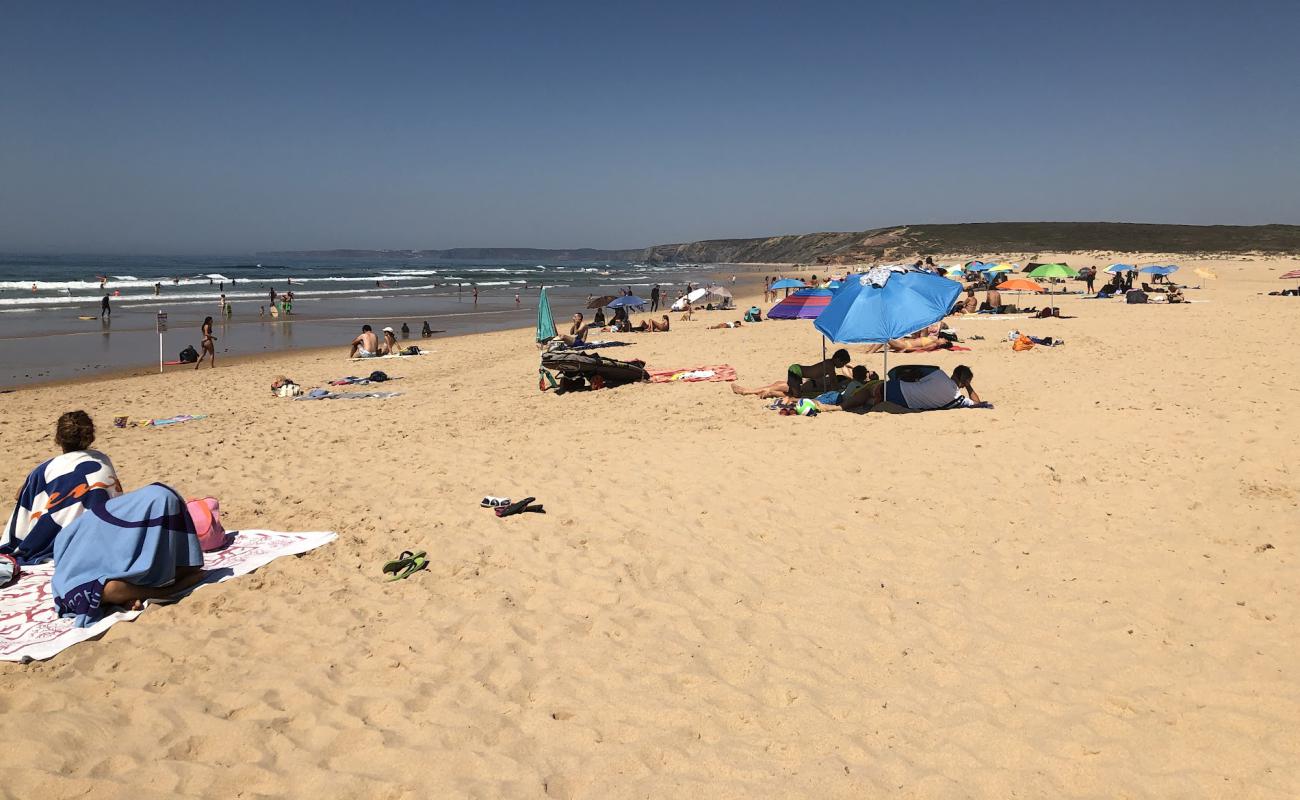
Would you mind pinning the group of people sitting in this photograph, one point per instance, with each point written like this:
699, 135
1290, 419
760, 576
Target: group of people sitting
111, 549
368, 345
914, 387
579, 330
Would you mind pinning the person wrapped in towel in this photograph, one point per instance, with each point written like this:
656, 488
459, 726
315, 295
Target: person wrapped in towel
59, 491
135, 547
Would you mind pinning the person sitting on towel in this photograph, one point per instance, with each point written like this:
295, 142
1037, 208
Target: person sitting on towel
920, 388
654, 325
813, 379
992, 301
577, 335
366, 345
968, 306
599, 320
137, 546
390, 347
59, 491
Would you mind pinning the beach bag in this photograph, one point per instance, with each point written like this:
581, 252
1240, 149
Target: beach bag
411, 351
8, 570
1135, 296
189, 355
206, 513
1022, 344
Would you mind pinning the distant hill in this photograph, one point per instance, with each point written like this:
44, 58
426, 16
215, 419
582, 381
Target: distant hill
899, 242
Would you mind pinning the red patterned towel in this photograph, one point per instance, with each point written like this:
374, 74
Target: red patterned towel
719, 372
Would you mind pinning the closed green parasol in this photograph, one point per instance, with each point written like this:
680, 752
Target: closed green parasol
545, 323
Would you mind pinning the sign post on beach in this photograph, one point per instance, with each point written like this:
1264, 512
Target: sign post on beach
162, 327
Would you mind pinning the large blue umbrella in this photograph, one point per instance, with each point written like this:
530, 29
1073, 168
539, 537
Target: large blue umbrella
1155, 269
627, 300
861, 311
1117, 268
788, 283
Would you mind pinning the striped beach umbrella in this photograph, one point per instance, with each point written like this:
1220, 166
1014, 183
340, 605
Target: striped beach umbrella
804, 304
1290, 276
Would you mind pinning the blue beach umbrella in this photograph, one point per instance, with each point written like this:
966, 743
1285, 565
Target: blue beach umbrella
627, 300
545, 322
1117, 268
789, 283
861, 311
1156, 269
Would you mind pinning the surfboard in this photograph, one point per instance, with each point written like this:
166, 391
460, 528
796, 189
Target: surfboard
85, 317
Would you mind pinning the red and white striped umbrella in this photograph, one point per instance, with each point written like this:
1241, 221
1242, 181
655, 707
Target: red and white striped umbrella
1290, 276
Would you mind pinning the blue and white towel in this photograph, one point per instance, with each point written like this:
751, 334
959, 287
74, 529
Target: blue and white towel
55, 494
140, 537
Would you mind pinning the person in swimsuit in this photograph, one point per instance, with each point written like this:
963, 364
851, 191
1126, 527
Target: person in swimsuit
921, 388
577, 335
208, 345
426, 331
366, 345
814, 378
722, 325
390, 347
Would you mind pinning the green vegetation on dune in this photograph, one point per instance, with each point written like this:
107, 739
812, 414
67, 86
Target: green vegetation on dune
914, 240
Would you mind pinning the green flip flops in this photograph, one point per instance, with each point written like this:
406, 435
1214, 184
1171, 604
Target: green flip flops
406, 565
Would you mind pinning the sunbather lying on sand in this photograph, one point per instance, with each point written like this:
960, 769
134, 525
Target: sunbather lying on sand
814, 379
653, 325
919, 388
722, 325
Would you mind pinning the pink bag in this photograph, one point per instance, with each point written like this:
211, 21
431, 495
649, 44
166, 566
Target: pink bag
206, 514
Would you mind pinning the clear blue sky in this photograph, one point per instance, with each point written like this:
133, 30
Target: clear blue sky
229, 127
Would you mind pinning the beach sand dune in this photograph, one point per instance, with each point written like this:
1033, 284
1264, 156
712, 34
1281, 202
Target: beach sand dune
1070, 595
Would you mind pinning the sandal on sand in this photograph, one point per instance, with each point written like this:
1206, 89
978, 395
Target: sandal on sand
494, 502
515, 508
402, 562
413, 565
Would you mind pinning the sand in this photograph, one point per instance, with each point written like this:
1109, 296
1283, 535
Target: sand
1070, 595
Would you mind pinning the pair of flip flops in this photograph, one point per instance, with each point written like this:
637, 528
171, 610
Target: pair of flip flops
494, 502
520, 507
406, 565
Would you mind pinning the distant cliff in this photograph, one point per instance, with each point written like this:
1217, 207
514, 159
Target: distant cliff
903, 241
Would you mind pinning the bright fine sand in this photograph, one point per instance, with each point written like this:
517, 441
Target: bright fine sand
1089, 591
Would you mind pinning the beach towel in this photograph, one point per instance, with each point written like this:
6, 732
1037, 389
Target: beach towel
31, 629
55, 494
323, 394
140, 537
561, 346
158, 423
720, 372
390, 355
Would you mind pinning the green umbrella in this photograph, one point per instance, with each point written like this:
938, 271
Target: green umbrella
545, 323
1053, 271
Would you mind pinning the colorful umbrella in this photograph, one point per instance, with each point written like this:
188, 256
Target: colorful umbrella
804, 304
1054, 271
884, 304
627, 300
998, 268
1290, 276
788, 283
1020, 285
545, 322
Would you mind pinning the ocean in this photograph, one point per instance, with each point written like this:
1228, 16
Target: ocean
50, 324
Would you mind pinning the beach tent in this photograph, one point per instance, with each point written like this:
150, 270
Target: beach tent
807, 303
545, 322
885, 304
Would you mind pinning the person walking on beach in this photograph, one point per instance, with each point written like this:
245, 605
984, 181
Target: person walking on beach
157, 289
654, 298
476, 294
516, 299
1089, 276
208, 344
105, 310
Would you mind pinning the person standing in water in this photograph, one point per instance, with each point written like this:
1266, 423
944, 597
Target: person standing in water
208, 345
475, 292
105, 310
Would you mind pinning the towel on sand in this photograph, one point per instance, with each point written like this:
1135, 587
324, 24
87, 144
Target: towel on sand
140, 537
720, 372
55, 494
30, 628
325, 394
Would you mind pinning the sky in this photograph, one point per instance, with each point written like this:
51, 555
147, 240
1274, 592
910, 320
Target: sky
132, 127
